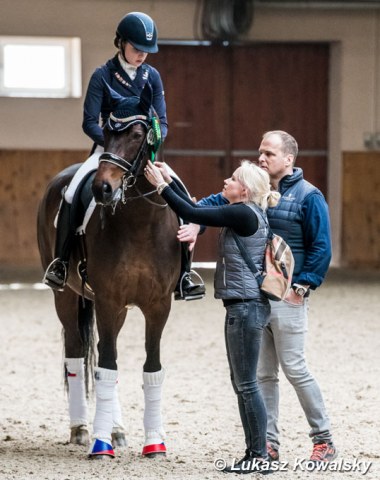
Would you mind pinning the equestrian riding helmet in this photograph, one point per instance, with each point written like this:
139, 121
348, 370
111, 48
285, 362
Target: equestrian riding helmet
138, 29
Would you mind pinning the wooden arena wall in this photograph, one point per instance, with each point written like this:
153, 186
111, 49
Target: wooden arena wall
361, 209
25, 174
23, 179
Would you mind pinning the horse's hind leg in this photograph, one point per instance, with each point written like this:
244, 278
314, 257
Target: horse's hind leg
153, 377
76, 320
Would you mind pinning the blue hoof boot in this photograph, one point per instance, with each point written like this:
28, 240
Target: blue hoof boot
101, 448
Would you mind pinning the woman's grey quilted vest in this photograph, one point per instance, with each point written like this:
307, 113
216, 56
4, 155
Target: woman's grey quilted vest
233, 278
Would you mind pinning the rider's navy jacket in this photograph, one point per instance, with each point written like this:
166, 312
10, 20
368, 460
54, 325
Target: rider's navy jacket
97, 102
301, 217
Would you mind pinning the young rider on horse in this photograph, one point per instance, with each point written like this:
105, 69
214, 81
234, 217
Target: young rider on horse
127, 73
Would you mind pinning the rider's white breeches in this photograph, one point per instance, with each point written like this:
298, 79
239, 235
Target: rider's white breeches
91, 163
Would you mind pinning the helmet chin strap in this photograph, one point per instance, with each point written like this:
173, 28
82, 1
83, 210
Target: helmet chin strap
122, 49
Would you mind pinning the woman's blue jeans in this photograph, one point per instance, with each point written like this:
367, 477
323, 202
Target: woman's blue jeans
244, 326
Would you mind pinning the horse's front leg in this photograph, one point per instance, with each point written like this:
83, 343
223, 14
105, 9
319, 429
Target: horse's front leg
153, 377
107, 413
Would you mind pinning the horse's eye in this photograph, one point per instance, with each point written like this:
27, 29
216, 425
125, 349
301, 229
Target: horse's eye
137, 135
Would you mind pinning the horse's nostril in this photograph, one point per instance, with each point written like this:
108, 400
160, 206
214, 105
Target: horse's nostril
106, 187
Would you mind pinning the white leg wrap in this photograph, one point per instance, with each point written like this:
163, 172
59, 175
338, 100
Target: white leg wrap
78, 410
154, 431
105, 385
116, 411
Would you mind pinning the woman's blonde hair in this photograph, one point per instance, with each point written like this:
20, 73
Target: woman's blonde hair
256, 181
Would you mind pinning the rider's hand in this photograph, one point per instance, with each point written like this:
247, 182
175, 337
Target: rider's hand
188, 233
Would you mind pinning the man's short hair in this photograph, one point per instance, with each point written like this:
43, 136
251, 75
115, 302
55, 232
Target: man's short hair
289, 143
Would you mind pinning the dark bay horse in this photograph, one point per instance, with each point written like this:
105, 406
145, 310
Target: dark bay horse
133, 259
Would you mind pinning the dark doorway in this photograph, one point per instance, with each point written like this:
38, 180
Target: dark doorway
221, 100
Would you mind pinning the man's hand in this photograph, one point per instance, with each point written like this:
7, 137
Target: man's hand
188, 233
293, 298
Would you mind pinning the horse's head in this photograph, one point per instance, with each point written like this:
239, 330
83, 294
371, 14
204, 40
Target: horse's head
131, 134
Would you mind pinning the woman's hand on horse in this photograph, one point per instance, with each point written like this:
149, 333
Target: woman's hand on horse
153, 174
164, 172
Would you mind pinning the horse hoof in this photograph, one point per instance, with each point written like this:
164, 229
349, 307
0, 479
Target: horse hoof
104, 458
118, 439
101, 450
79, 435
154, 450
154, 455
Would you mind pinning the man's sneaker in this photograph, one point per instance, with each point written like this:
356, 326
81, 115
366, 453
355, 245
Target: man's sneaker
323, 453
187, 289
249, 464
272, 452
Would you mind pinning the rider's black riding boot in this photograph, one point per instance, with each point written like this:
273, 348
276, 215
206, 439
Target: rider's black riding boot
186, 289
56, 273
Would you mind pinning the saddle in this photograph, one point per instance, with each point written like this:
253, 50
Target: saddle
82, 207
83, 203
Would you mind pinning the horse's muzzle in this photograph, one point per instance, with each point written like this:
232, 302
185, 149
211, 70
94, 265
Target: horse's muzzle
103, 193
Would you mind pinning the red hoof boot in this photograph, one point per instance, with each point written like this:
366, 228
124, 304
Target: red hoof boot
154, 449
101, 449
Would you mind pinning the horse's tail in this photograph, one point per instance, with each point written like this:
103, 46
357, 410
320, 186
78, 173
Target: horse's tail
86, 320
86, 328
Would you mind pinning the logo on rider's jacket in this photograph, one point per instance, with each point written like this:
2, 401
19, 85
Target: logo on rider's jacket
145, 75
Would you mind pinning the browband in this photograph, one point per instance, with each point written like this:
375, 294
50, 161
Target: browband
129, 119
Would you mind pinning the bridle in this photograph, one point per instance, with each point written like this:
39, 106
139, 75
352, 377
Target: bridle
121, 124
131, 168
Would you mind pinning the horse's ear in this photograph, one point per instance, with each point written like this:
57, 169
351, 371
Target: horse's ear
146, 98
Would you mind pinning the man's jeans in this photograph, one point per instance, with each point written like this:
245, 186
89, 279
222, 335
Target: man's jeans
284, 344
243, 333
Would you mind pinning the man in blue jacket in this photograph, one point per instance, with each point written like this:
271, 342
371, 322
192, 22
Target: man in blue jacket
302, 219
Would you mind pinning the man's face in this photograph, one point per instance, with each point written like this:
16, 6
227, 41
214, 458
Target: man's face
273, 159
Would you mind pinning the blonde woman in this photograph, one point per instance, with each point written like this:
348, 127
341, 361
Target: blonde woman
247, 309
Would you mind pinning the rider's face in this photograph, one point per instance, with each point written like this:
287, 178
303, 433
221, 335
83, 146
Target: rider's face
133, 56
